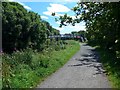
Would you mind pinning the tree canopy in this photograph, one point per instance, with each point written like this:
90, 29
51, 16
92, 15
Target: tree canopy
22, 28
102, 23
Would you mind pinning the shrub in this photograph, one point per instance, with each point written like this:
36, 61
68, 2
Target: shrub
25, 68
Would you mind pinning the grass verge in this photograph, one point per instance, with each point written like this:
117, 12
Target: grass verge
27, 69
112, 67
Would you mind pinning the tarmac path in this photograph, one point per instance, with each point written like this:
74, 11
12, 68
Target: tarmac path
83, 70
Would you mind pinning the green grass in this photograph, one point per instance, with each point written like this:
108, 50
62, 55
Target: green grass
112, 67
27, 69
59, 58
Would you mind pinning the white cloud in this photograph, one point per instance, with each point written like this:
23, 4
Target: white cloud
25, 6
77, 27
70, 28
56, 8
47, 13
44, 17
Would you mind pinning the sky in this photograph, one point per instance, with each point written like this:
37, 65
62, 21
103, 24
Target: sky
44, 9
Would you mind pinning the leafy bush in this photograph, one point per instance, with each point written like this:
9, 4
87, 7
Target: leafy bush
24, 79
22, 28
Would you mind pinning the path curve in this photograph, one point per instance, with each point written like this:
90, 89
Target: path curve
83, 70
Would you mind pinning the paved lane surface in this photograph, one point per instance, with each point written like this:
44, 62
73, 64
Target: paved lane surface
83, 70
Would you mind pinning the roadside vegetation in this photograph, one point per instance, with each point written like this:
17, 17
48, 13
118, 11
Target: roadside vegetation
112, 67
27, 68
102, 29
23, 29
28, 54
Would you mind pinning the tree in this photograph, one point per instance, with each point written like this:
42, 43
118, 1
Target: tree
22, 28
102, 23
13, 15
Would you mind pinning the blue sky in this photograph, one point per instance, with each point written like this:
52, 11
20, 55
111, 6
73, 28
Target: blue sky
44, 9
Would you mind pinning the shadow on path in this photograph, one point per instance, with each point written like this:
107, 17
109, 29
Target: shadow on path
83, 70
90, 59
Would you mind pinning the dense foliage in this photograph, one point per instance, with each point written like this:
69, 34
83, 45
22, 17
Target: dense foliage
102, 23
22, 28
